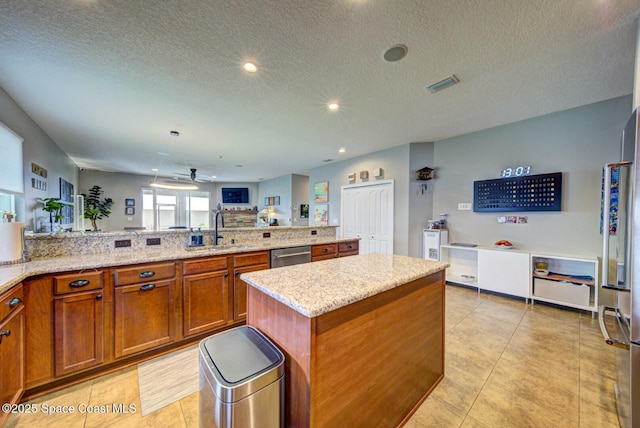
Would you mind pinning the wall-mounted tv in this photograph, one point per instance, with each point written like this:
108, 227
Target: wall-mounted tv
235, 195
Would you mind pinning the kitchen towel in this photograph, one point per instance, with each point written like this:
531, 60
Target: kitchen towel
11, 242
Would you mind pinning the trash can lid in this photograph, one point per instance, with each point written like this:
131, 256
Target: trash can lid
241, 353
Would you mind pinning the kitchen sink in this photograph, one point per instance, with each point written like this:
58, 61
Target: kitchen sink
221, 247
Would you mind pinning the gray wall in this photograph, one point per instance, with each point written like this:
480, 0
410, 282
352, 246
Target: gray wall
398, 163
299, 196
40, 149
282, 187
577, 142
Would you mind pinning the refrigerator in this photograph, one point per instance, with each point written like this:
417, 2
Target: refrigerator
620, 323
432, 239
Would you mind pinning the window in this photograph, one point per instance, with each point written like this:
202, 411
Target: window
165, 209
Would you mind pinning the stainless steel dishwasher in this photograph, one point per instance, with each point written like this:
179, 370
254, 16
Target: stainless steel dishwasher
290, 256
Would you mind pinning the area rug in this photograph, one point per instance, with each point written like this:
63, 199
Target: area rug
169, 378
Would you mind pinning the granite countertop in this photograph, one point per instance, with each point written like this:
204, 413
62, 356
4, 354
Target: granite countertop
11, 275
313, 289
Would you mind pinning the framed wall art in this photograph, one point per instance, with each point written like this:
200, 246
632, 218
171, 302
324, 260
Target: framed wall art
321, 192
321, 215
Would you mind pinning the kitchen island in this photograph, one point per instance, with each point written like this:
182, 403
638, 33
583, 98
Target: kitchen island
363, 336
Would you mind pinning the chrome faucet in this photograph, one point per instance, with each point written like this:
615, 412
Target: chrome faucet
215, 229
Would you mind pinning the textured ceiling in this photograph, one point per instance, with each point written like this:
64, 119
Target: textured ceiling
108, 79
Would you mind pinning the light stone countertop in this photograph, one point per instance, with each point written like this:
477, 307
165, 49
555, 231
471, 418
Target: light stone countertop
11, 275
313, 289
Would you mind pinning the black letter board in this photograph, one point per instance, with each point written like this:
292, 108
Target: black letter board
541, 192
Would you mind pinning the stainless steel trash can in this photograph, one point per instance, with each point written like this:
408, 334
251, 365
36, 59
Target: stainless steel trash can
241, 380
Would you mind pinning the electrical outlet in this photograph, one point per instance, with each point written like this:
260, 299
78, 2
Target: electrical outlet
314, 232
153, 241
123, 243
464, 207
266, 234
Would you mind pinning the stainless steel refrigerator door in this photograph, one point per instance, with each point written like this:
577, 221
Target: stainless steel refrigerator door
627, 391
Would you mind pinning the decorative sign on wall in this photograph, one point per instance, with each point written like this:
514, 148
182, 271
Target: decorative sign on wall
541, 192
321, 215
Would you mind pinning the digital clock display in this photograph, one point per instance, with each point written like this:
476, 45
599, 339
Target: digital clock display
517, 171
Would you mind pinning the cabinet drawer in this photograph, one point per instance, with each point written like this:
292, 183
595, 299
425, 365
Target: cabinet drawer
324, 250
562, 291
348, 248
152, 272
11, 301
64, 284
211, 264
251, 259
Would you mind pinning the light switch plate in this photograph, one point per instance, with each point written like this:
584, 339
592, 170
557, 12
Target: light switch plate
464, 207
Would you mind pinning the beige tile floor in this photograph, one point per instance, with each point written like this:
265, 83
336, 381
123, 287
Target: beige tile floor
507, 365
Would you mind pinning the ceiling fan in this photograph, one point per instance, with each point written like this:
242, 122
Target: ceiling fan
193, 176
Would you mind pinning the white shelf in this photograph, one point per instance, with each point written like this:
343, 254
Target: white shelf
511, 272
578, 293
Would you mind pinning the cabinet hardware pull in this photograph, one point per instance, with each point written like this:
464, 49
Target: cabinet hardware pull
237, 272
349, 247
324, 250
4, 333
146, 274
147, 287
99, 297
226, 274
79, 283
15, 302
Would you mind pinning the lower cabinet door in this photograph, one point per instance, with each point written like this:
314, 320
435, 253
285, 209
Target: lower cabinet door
240, 291
205, 298
79, 332
12, 359
144, 317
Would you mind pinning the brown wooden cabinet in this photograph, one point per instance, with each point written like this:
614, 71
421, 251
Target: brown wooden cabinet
145, 313
350, 248
78, 322
324, 252
205, 289
12, 348
243, 263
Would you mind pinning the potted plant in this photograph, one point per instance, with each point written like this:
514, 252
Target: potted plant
96, 207
54, 207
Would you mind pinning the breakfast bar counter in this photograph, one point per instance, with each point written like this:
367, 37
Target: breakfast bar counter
363, 336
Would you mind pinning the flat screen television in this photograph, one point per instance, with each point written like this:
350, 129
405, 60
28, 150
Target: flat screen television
235, 195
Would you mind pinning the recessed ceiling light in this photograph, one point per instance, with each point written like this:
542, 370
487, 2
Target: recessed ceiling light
342, 150
395, 53
333, 106
250, 67
155, 169
163, 154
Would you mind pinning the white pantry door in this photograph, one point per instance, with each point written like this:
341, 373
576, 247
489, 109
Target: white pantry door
367, 213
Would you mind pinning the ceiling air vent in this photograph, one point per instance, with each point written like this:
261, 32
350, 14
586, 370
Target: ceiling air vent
443, 84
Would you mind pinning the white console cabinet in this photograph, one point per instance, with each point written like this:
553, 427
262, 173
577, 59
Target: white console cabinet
504, 271
571, 281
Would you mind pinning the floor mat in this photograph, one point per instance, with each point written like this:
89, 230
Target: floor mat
169, 378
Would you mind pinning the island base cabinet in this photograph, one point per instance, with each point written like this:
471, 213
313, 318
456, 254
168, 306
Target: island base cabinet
78, 333
371, 363
144, 317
